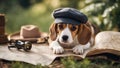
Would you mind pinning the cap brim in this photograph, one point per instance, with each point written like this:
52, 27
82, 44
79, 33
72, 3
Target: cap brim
16, 36
66, 21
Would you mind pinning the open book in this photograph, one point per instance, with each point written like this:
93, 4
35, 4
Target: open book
105, 42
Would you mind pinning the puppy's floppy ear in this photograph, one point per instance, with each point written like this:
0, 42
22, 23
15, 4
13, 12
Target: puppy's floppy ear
53, 31
84, 33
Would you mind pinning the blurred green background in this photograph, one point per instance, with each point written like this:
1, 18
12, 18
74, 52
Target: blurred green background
104, 13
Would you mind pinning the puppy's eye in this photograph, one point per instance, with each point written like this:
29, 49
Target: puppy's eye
60, 26
73, 28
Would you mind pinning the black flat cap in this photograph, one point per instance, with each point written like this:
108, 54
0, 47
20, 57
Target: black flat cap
69, 16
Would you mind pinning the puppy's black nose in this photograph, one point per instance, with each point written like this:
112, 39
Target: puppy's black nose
65, 37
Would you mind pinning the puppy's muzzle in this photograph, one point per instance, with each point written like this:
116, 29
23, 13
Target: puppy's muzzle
65, 38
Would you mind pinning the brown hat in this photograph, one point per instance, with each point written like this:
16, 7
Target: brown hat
28, 33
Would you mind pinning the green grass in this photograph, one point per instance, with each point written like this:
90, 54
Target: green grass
24, 65
71, 62
86, 63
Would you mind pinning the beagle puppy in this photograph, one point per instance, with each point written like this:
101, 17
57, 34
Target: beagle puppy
78, 37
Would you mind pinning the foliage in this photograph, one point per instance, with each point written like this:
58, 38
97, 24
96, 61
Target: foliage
105, 13
16, 16
71, 62
24, 17
23, 65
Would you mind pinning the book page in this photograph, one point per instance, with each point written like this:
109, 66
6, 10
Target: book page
106, 42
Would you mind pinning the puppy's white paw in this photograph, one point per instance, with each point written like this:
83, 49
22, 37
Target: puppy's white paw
78, 49
55, 46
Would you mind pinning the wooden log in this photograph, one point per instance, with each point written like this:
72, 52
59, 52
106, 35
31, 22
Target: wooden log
3, 37
2, 30
2, 20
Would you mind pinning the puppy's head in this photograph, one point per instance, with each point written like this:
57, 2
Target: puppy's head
66, 33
